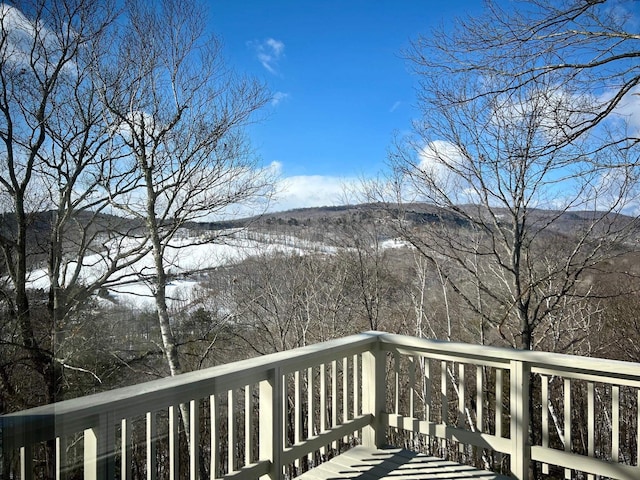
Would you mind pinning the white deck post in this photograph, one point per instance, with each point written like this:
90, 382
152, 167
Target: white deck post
373, 395
26, 468
519, 397
98, 450
271, 430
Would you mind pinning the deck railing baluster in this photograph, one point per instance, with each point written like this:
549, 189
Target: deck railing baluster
214, 460
499, 404
61, 457
323, 404
396, 382
544, 388
638, 429
412, 386
444, 399
334, 398
310, 409
174, 442
345, 394
427, 387
356, 389
567, 423
297, 406
248, 424
194, 439
151, 441
345, 390
590, 423
479, 398
461, 396
615, 423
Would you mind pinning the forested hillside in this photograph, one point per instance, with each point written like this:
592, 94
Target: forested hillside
301, 277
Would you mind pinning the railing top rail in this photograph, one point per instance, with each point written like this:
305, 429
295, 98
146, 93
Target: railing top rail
140, 398
561, 362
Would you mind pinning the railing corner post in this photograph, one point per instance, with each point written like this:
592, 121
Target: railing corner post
373, 395
520, 379
270, 423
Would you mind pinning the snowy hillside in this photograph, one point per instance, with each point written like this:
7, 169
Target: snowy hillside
185, 255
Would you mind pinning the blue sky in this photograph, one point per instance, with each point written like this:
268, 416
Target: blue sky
340, 86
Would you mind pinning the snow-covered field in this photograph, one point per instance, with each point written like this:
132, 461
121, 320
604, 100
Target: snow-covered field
184, 255
133, 285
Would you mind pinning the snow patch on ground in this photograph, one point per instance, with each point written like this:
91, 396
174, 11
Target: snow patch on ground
394, 243
183, 255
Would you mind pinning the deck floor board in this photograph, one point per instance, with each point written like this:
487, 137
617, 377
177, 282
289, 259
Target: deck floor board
364, 463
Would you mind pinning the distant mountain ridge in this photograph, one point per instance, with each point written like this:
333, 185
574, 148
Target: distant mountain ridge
416, 213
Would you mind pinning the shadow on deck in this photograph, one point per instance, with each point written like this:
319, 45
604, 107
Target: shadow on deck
392, 463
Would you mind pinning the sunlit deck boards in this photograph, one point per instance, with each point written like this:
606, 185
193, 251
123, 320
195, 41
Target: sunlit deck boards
394, 463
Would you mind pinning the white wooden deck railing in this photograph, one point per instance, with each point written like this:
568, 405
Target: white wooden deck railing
281, 414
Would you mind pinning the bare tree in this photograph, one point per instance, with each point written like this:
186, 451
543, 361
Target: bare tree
525, 153
525, 163
588, 49
179, 114
54, 146
69, 146
518, 224
282, 300
368, 265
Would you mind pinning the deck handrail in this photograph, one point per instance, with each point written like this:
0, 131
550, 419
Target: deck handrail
135, 399
362, 388
534, 370
618, 369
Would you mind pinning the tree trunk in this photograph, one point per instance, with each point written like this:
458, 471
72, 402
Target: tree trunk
169, 342
42, 359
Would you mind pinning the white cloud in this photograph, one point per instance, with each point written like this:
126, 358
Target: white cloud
395, 106
440, 160
20, 33
615, 189
268, 52
444, 170
28, 45
141, 123
303, 191
278, 98
628, 110
275, 45
552, 112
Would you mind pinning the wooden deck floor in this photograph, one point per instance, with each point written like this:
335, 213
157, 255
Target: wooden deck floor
394, 463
